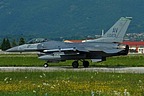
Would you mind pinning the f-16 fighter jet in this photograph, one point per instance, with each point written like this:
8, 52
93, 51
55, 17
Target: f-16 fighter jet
96, 50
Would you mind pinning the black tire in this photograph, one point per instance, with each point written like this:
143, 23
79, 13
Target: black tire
85, 64
75, 64
45, 65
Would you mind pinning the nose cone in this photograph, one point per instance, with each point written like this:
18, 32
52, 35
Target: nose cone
14, 49
20, 48
24, 48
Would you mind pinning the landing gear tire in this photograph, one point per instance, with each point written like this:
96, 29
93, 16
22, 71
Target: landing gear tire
75, 64
85, 64
45, 65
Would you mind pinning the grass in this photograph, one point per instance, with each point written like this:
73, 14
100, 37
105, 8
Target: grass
32, 60
70, 84
129, 60
19, 60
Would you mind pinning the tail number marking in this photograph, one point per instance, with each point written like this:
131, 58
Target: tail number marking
114, 33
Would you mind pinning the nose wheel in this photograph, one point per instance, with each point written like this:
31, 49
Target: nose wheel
45, 65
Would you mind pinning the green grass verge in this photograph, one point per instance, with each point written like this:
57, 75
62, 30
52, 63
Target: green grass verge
32, 60
129, 60
19, 60
68, 83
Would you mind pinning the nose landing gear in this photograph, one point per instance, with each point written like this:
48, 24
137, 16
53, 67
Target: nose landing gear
45, 65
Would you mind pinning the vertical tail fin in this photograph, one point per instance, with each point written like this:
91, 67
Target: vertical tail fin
116, 32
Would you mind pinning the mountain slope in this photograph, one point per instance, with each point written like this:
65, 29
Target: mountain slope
66, 18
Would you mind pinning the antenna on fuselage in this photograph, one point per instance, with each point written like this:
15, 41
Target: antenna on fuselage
102, 32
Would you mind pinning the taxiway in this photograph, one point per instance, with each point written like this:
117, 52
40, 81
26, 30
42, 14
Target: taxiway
92, 69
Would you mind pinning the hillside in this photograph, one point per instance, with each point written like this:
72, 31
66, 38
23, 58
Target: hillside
66, 18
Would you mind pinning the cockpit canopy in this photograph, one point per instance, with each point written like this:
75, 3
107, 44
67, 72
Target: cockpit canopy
37, 40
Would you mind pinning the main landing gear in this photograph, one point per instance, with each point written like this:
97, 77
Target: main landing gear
75, 64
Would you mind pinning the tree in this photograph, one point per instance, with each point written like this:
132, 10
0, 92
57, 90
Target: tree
8, 45
21, 41
5, 44
14, 43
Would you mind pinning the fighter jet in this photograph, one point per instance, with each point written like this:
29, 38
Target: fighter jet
96, 50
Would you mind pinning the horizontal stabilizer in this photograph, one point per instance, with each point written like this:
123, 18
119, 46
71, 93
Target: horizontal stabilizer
112, 51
